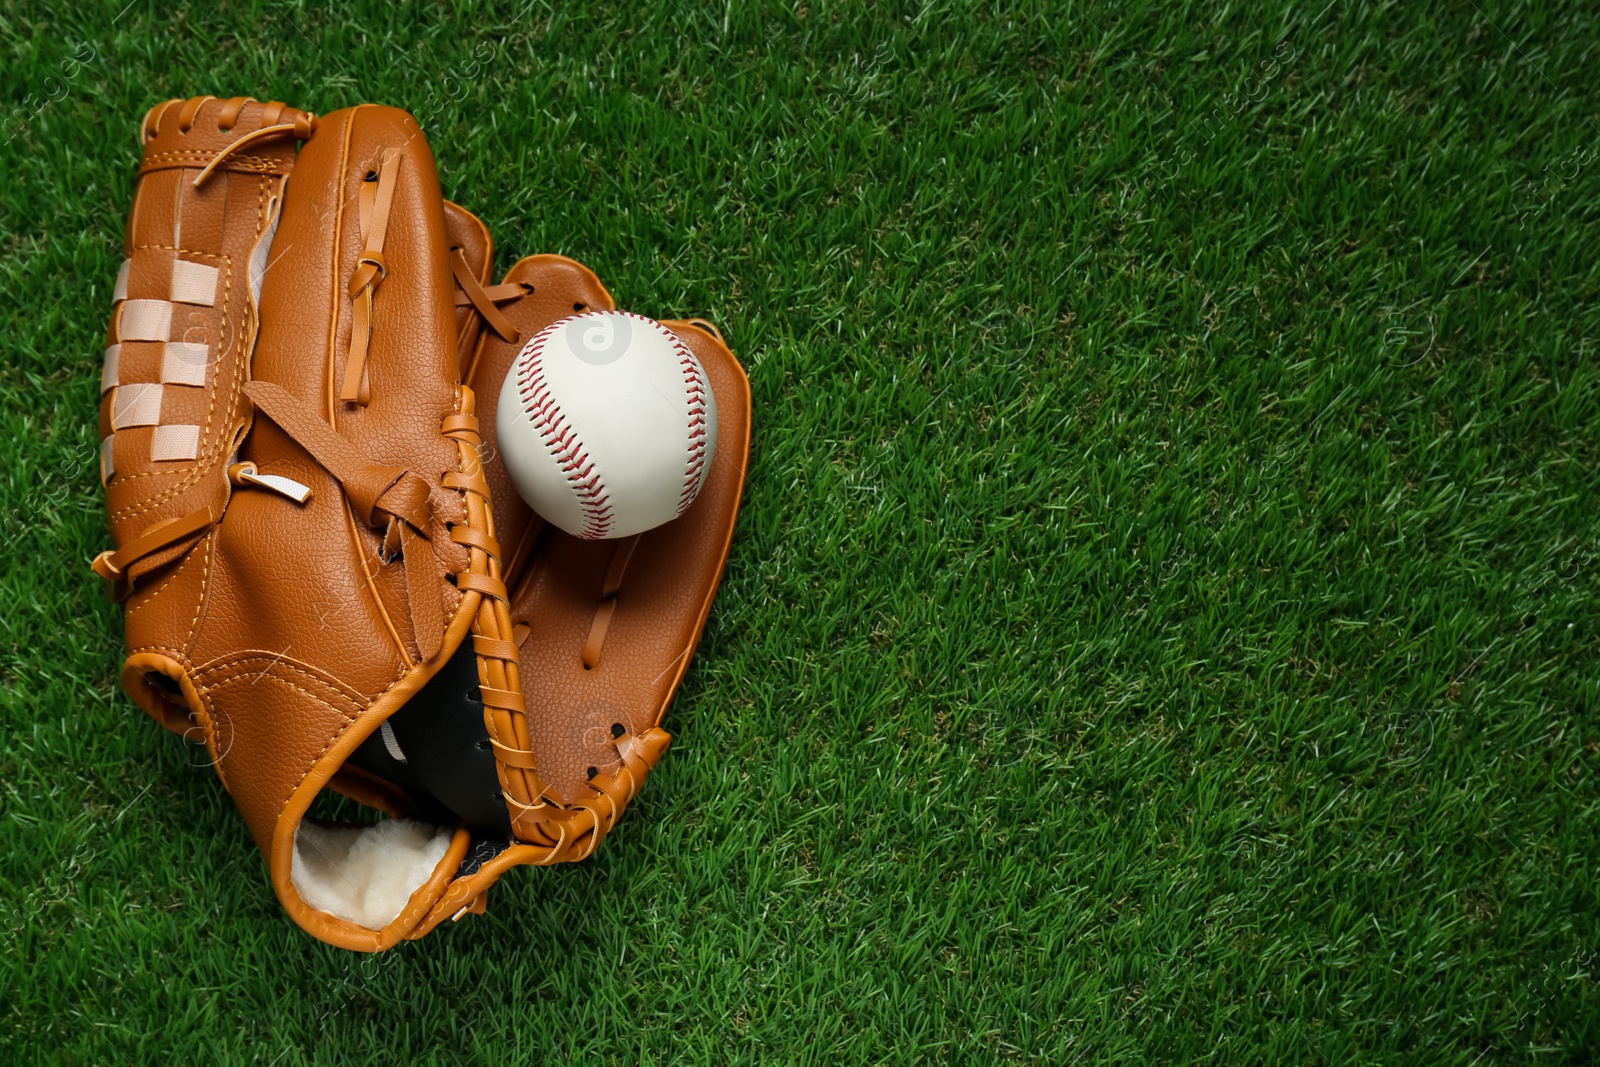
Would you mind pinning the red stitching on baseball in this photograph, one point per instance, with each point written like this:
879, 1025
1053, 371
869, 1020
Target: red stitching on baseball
560, 438
694, 380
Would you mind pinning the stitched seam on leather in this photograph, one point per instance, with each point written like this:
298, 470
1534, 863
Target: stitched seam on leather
247, 678
177, 654
317, 759
200, 601
336, 254
238, 384
228, 669
270, 669
246, 164
268, 676
156, 590
196, 154
560, 439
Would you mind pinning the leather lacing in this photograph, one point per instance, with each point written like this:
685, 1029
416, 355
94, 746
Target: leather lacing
393, 500
375, 201
301, 124
564, 832
484, 300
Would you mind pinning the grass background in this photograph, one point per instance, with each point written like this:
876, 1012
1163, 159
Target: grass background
1162, 624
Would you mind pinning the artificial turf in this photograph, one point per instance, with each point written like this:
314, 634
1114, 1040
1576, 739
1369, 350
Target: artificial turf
1162, 624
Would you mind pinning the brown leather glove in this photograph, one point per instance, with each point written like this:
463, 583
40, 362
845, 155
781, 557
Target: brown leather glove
326, 573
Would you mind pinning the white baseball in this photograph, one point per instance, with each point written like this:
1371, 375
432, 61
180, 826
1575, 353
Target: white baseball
607, 424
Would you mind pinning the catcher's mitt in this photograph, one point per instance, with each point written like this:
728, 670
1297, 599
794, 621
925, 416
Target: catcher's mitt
327, 575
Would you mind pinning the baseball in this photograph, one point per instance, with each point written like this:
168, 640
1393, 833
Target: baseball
607, 424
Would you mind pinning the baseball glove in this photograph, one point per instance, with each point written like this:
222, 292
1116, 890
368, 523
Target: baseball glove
326, 575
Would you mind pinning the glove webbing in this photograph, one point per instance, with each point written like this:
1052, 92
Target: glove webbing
563, 833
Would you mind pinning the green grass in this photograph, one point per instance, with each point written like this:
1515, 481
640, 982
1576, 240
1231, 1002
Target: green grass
1163, 622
